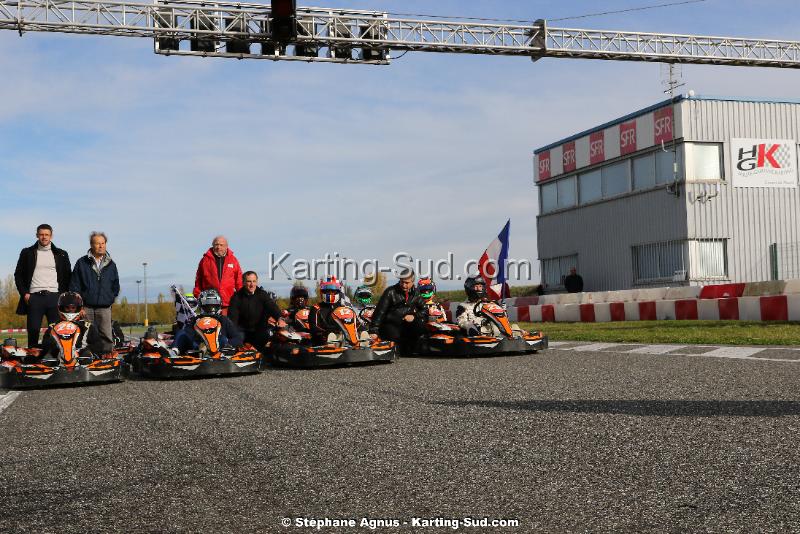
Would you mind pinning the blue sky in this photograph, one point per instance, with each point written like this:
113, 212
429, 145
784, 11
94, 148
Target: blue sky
428, 155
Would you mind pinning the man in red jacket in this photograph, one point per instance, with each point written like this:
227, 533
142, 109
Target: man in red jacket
219, 269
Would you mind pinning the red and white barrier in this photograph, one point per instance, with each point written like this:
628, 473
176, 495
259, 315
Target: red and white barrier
769, 308
755, 301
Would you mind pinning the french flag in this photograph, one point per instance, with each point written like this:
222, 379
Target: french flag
492, 265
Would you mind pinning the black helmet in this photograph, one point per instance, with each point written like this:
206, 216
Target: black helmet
209, 301
298, 291
70, 305
470, 286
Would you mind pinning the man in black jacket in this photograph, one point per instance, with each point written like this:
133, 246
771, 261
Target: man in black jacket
96, 279
573, 282
251, 308
42, 273
393, 318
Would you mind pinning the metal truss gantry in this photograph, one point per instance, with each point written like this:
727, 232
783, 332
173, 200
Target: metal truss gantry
239, 30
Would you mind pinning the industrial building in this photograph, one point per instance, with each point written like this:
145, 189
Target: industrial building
693, 190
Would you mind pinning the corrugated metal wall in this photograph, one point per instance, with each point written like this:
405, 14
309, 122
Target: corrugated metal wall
602, 234
751, 218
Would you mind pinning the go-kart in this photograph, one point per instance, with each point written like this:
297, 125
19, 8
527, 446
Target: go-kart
497, 337
292, 348
30, 368
154, 359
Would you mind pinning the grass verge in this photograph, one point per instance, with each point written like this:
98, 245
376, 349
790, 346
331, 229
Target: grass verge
681, 332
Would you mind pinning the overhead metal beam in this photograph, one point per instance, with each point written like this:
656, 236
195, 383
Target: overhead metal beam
355, 36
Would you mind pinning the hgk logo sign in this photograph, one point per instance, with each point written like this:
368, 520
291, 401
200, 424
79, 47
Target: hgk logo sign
759, 156
764, 162
597, 149
544, 165
568, 156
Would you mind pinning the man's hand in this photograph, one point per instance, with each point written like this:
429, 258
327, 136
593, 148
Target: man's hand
409, 318
373, 337
281, 323
27, 297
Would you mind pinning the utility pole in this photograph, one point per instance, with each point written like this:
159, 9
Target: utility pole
138, 299
673, 81
146, 320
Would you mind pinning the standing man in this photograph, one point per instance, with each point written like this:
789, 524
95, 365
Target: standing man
251, 307
96, 279
393, 318
573, 282
219, 269
42, 272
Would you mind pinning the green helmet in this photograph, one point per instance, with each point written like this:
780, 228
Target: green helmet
191, 300
363, 294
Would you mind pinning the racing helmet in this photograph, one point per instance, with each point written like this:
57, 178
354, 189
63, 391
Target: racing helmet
363, 294
209, 301
475, 288
297, 293
330, 290
191, 300
426, 288
70, 306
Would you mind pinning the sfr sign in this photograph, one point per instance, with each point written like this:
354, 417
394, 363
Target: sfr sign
627, 137
544, 165
662, 125
597, 149
568, 157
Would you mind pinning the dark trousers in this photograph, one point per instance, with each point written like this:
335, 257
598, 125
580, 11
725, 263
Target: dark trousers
39, 306
258, 339
405, 334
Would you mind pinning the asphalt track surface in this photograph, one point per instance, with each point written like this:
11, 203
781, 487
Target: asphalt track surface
562, 441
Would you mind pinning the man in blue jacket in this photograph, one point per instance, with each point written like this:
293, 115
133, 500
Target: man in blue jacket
96, 279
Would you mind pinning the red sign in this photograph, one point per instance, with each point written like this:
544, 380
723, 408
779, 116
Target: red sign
544, 165
597, 147
662, 125
568, 156
627, 137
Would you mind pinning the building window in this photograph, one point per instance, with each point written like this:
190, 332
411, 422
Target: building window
708, 259
659, 262
616, 179
591, 186
703, 161
644, 172
549, 194
664, 168
566, 192
555, 269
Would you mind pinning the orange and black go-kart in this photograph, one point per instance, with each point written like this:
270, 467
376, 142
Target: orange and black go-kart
498, 337
154, 359
347, 346
30, 368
